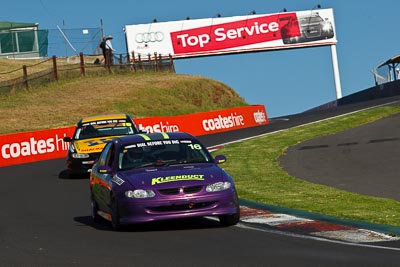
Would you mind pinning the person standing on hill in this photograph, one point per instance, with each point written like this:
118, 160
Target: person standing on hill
109, 49
103, 48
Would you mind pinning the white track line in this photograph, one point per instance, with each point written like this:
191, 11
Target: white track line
240, 225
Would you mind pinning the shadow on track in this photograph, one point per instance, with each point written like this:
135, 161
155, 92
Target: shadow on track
165, 225
66, 174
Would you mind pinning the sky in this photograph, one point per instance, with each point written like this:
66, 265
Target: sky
285, 81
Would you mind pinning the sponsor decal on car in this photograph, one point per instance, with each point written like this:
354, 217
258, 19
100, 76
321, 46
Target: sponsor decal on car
117, 180
176, 178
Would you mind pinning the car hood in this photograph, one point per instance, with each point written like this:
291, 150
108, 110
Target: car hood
174, 176
92, 145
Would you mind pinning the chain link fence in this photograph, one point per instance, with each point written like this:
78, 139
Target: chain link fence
72, 42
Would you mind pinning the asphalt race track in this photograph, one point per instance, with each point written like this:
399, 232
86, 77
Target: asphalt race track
45, 220
363, 160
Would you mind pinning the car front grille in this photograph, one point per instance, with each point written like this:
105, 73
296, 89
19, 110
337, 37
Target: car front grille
177, 190
182, 207
94, 156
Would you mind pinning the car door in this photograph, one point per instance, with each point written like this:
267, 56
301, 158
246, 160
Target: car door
110, 157
101, 181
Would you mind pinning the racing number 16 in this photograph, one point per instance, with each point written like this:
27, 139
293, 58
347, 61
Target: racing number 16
195, 146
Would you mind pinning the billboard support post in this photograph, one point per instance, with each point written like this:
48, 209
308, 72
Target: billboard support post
336, 72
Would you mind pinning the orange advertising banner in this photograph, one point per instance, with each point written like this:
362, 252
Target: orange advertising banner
34, 146
49, 144
204, 123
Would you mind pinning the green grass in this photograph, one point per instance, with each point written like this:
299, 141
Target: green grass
144, 94
254, 164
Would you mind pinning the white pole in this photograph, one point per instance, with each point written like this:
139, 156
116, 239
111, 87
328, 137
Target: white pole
66, 39
336, 72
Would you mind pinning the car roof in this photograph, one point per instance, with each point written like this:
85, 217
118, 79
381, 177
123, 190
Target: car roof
154, 137
104, 117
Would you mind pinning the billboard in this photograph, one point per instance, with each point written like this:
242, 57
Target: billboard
41, 145
202, 37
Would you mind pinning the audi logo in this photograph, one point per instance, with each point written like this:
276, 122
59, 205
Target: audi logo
146, 37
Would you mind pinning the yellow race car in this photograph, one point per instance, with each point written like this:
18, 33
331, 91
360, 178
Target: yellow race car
90, 137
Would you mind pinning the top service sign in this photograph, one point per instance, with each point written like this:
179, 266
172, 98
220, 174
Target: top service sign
201, 37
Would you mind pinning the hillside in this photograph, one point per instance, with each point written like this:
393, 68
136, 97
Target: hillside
144, 94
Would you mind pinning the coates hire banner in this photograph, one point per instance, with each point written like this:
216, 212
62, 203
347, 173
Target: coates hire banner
198, 37
49, 144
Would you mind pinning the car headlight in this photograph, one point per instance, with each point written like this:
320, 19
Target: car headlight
218, 186
326, 27
76, 155
140, 193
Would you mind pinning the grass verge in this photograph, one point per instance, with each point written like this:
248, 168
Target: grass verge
254, 164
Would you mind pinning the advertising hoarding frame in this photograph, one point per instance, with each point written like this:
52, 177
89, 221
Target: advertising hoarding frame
236, 34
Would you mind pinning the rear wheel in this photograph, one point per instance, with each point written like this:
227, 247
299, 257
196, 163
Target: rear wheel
95, 209
115, 216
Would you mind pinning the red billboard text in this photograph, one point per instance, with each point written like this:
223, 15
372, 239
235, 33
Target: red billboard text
229, 35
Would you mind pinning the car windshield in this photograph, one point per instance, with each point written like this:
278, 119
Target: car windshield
162, 153
311, 20
104, 128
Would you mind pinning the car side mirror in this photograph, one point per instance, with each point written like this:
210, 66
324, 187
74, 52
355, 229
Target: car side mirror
104, 170
67, 139
219, 159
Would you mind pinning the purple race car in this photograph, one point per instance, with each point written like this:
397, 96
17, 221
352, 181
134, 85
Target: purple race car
159, 176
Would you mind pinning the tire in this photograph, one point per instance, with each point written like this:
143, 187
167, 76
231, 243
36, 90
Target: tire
94, 210
115, 216
229, 220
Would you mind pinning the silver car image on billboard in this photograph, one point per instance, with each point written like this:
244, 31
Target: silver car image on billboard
307, 28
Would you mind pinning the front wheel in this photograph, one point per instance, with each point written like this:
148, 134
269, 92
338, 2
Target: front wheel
229, 220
